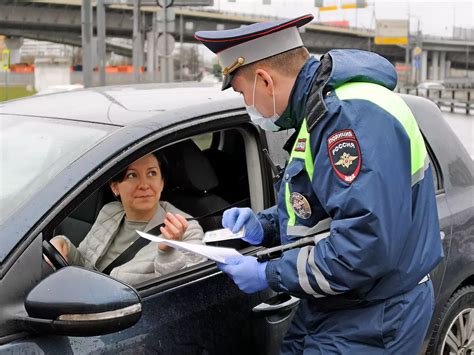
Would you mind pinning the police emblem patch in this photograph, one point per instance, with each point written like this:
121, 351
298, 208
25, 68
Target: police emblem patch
300, 205
344, 154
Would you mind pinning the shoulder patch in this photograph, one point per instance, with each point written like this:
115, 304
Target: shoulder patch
300, 145
344, 154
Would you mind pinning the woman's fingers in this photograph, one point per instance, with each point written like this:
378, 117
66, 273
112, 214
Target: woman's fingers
175, 226
173, 229
183, 221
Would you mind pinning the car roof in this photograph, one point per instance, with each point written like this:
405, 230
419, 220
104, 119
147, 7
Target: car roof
119, 105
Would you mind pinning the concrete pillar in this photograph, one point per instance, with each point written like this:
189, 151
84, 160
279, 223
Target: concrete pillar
14, 44
442, 66
101, 46
414, 69
435, 65
137, 41
166, 42
424, 66
151, 61
448, 68
86, 31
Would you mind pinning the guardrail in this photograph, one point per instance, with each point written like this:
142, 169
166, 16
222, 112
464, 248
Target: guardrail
452, 99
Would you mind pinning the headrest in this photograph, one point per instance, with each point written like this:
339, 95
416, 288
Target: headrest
189, 169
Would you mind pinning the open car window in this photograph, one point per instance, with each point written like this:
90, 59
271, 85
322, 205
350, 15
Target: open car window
206, 174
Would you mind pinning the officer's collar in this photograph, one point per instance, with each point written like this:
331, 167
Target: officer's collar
294, 112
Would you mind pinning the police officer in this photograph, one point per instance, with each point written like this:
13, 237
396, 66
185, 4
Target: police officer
358, 166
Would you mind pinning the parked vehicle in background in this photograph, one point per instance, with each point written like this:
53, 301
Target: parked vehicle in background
62, 150
432, 86
60, 88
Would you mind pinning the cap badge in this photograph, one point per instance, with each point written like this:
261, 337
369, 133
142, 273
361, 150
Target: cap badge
238, 63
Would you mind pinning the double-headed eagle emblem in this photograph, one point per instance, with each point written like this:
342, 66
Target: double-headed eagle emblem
346, 160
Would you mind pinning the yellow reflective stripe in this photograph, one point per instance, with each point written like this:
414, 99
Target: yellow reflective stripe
307, 157
394, 105
289, 209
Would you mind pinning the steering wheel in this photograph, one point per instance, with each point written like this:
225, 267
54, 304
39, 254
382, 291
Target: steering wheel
54, 255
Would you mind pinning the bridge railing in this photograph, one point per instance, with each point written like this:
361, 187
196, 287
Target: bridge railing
454, 100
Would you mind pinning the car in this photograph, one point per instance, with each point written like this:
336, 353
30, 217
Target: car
426, 87
59, 88
58, 152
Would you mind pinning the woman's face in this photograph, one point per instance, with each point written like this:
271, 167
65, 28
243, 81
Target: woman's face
140, 189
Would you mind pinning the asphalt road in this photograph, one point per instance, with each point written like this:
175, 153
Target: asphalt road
463, 126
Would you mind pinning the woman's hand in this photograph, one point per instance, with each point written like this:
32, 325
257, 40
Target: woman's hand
175, 226
61, 246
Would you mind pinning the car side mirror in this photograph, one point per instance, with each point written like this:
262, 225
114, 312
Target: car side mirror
78, 302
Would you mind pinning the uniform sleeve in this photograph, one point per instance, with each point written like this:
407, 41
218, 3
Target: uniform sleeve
370, 207
269, 220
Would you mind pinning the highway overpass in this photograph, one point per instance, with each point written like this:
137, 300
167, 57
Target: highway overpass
60, 21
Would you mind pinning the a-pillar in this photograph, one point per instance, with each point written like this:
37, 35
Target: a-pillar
14, 44
435, 65
424, 66
442, 66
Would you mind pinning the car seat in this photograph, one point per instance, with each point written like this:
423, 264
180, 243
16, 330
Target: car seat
191, 183
80, 221
227, 156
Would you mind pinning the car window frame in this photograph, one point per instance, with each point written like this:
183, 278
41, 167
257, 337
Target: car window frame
435, 167
158, 140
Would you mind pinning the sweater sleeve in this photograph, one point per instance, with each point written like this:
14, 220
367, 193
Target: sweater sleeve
167, 261
74, 256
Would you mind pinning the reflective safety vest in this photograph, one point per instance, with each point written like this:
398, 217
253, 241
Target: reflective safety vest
381, 97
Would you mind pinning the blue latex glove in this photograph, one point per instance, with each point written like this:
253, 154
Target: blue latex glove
235, 218
247, 273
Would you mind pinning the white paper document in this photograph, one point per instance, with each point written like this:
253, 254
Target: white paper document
222, 234
214, 253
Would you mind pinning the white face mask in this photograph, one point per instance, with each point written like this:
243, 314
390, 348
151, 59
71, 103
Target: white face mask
266, 123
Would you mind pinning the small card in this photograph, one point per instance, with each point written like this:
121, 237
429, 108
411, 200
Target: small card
222, 234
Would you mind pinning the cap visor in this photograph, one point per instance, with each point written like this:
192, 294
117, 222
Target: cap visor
226, 81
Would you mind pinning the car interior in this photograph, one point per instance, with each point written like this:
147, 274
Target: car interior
206, 175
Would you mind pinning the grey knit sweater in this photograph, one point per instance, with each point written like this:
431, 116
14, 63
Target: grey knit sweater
149, 262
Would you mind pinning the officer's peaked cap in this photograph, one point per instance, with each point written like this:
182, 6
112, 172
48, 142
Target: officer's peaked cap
248, 44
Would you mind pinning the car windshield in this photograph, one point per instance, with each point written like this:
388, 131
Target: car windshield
34, 150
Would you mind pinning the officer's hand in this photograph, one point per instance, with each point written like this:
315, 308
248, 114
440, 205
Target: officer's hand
235, 218
247, 273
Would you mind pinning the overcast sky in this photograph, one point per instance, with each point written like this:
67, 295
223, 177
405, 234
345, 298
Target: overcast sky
436, 17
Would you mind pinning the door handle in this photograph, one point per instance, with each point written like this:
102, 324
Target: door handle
281, 303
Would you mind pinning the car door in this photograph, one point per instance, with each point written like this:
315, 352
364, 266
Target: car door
198, 310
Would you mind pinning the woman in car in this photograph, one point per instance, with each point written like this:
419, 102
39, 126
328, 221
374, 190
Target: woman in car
138, 189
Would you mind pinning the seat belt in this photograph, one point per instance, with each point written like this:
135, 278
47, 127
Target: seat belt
129, 253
